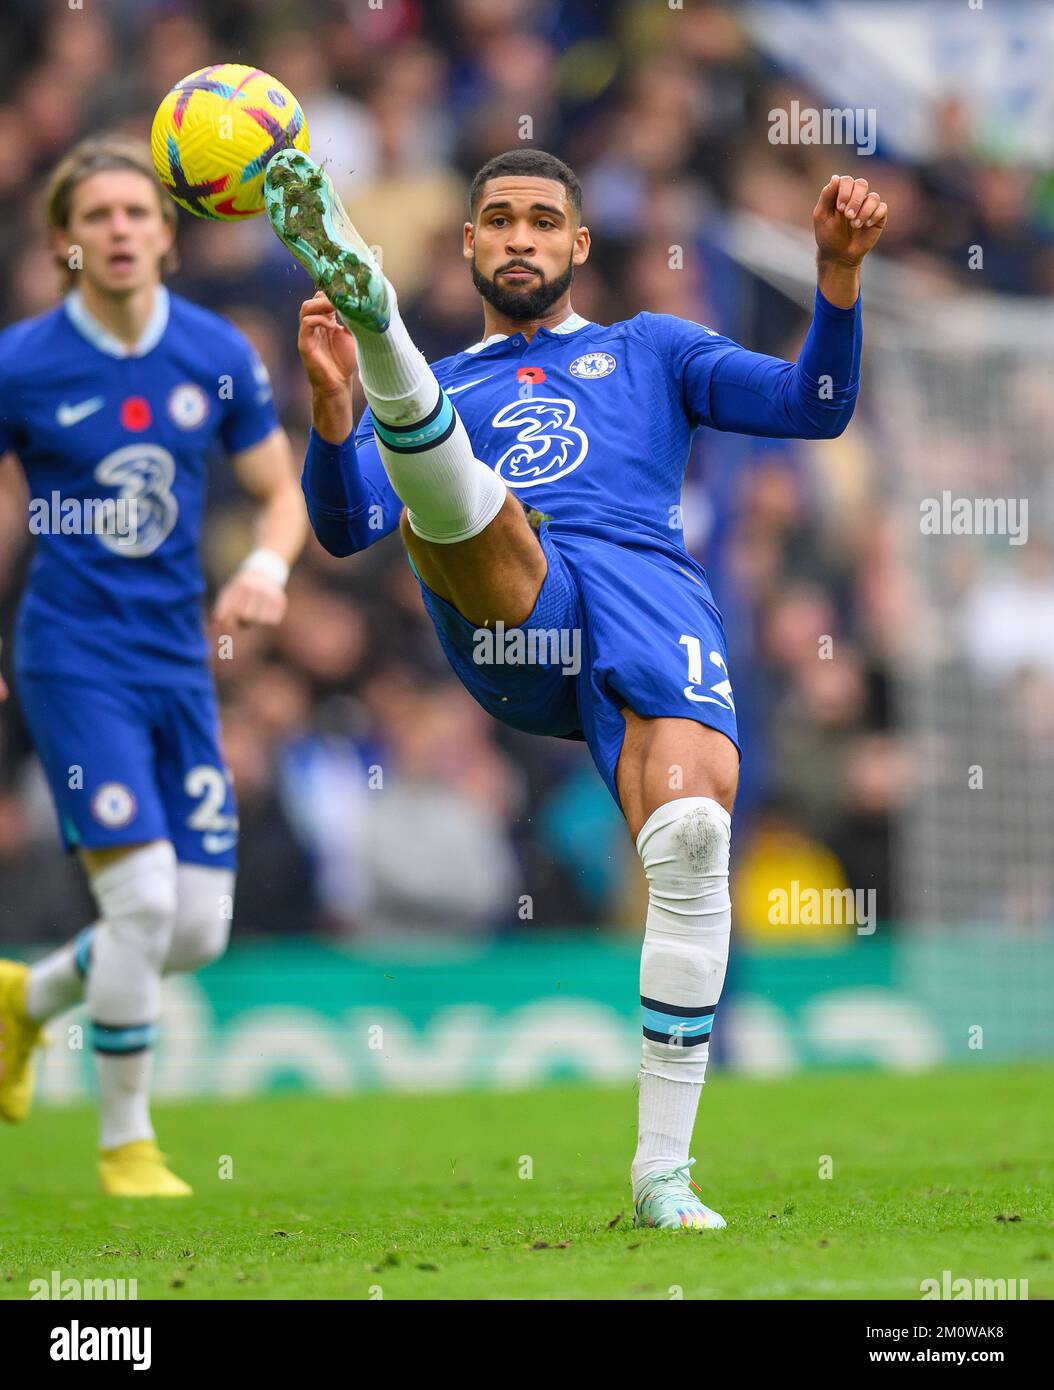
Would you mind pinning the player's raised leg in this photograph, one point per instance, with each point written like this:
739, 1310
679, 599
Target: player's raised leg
683, 841
451, 497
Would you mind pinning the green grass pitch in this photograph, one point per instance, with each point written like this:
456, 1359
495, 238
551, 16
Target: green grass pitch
421, 1196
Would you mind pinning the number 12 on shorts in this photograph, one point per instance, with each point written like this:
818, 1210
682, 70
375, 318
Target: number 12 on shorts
721, 693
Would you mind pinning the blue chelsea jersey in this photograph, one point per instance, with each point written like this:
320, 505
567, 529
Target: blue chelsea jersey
585, 423
590, 424
582, 425
114, 444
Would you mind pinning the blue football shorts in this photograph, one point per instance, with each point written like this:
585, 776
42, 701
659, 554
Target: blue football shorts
613, 626
128, 764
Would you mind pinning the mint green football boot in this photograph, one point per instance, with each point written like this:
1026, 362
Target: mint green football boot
309, 219
666, 1200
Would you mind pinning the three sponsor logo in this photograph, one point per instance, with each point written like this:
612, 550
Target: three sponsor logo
143, 514
547, 444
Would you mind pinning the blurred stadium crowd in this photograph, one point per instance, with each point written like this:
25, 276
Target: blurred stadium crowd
375, 797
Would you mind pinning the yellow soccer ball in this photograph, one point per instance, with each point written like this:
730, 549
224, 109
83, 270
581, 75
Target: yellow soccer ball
214, 133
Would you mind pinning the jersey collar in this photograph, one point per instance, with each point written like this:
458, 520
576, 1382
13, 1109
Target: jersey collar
571, 324
101, 338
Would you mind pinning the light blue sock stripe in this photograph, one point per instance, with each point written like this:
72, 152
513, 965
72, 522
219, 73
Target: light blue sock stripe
418, 438
82, 950
119, 1040
699, 1026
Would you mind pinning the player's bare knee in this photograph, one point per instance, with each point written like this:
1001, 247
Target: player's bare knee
710, 767
424, 553
723, 779
493, 576
512, 523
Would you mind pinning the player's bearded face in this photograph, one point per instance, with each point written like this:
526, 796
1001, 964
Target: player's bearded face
523, 245
530, 300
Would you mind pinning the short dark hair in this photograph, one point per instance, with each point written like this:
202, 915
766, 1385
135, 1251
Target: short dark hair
524, 164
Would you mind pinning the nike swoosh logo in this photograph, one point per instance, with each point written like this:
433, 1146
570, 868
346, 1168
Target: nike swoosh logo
453, 390
216, 844
68, 415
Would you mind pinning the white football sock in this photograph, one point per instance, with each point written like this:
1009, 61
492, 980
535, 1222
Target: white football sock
56, 983
137, 903
450, 495
393, 369
666, 1118
124, 1090
684, 848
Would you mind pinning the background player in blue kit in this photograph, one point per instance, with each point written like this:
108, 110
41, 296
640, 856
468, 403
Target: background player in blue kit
113, 402
587, 426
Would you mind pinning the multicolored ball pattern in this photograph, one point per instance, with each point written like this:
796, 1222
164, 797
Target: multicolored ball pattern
214, 133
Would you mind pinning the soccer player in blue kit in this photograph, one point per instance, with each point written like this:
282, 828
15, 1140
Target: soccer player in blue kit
113, 402
545, 502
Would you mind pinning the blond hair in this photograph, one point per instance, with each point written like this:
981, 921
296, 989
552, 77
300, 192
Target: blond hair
97, 155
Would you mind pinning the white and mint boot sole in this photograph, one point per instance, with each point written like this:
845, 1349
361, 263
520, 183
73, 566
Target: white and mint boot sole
308, 218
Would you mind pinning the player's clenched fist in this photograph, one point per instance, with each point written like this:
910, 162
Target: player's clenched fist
326, 348
848, 218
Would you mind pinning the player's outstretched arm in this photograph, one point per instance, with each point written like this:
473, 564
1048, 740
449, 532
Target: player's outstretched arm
730, 388
256, 594
350, 502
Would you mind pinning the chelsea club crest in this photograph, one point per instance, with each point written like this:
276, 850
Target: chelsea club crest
592, 365
188, 405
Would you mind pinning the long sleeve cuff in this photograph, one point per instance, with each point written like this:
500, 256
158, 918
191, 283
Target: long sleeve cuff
332, 479
832, 346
